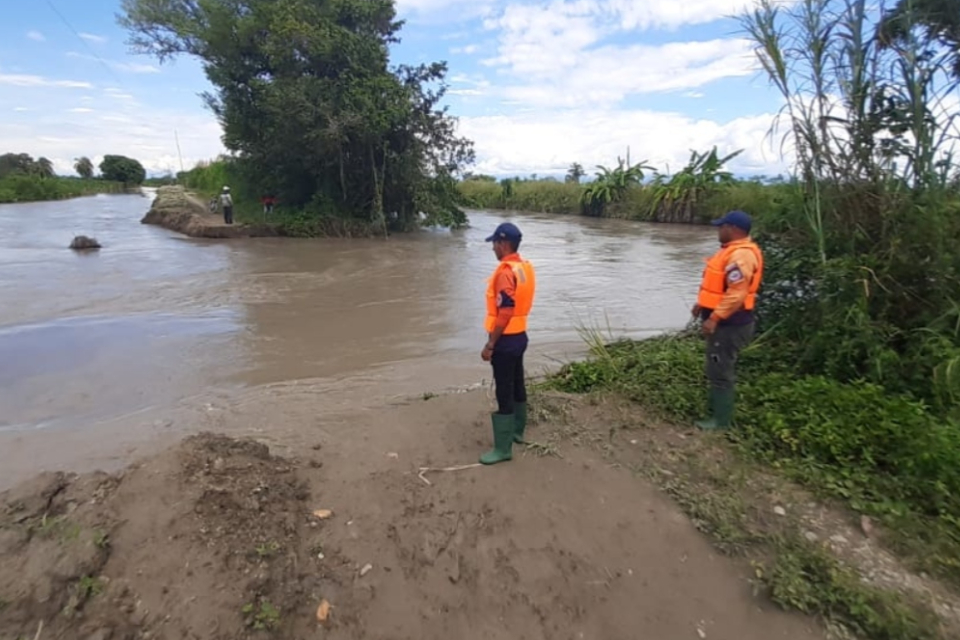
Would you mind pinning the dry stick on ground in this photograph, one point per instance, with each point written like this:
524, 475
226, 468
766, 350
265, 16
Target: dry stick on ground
462, 467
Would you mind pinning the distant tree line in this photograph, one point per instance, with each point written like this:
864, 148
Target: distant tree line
113, 168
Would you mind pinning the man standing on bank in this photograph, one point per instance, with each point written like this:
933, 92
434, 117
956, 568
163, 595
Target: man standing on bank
510, 293
726, 303
226, 202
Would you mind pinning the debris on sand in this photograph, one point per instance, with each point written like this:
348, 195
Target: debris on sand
323, 612
82, 243
210, 534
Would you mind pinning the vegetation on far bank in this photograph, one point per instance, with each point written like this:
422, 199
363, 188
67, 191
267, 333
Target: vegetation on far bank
23, 179
853, 385
696, 194
312, 110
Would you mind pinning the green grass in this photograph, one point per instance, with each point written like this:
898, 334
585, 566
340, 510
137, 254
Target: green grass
262, 616
805, 577
548, 196
29, 188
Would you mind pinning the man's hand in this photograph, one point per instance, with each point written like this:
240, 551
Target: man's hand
709, 327
695, 312
487, 353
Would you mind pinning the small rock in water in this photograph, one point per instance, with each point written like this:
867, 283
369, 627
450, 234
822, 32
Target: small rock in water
780, 511
838, 539
84, 242
810, 536
367, 568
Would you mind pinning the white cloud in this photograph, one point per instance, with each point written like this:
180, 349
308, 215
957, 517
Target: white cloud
559, 53
25, 80
671, 14
130, 67
467, 50
21, 109
36, 35
91, 37
670, 67
107, 125
546, 143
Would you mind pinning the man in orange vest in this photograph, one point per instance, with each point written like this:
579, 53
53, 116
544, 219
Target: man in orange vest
510, 293
726, 303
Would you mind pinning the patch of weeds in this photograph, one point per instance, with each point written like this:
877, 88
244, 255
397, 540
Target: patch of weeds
807, 578
88, 587
268, 550
428, 395
101, 539
543, 449
716, 507
57, 527
262, 617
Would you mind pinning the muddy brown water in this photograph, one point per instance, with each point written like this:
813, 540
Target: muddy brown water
102, 349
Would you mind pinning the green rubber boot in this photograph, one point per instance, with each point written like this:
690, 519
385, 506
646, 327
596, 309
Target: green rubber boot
721, 410
503, 426
521, 423
710, 422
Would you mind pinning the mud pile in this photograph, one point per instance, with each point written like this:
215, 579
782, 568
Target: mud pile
213, 539
177, 210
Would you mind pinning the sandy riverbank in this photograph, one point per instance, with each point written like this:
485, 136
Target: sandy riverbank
217, 536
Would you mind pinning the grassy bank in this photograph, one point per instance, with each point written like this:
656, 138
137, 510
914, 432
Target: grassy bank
885, 455
805, 553
637, 202
32, 188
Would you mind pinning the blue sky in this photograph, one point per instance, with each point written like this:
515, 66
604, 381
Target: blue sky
537, 85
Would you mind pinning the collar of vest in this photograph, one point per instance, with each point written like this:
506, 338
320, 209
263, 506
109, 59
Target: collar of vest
513, 257
734, 243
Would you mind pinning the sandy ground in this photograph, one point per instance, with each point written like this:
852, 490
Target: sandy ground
217, 538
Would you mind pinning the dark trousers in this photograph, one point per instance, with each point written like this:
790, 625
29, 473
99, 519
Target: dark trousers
508, 377
228, 215
723, 351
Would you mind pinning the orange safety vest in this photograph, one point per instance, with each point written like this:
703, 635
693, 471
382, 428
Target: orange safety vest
714, 285
526, 285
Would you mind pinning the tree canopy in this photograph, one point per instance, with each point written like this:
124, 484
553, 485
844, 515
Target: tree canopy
122, 169
311, 107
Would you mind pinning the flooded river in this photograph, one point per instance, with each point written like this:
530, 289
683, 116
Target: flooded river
92, 343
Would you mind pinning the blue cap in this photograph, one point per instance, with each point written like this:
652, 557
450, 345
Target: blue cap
738, 219
506, 231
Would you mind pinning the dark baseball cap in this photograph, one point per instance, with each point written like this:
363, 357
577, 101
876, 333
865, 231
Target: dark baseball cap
738, 219
506, 231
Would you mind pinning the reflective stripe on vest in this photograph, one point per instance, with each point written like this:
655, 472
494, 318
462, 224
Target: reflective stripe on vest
526, 285
714, 285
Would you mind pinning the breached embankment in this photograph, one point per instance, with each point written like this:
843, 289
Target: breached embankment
179, 211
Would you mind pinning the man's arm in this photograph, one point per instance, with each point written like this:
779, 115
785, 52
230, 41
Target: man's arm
743, 265
506, 289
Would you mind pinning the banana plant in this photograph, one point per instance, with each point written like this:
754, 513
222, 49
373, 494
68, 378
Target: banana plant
702, 173
610, 185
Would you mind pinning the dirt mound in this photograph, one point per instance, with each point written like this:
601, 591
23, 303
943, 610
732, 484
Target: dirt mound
177, 210
213, 539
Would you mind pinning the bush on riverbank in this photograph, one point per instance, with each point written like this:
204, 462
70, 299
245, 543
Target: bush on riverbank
33, 188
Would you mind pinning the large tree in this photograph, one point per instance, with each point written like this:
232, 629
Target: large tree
84, 167
122, 169
310, 105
